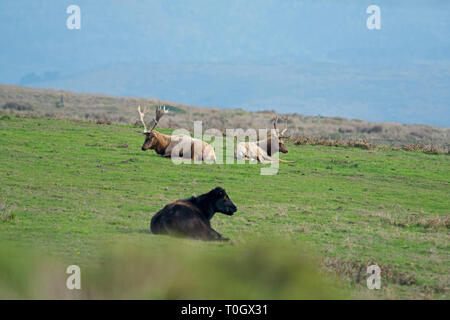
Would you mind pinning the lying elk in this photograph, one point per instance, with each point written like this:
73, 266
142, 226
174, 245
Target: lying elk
165, 145
191, 217
262, 150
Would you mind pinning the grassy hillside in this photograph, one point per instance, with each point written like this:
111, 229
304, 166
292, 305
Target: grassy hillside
73, 188
67, 104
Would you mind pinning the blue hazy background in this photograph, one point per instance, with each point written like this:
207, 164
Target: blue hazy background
310, 57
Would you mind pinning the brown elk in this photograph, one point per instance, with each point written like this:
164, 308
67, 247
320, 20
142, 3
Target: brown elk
262, 150
180, 145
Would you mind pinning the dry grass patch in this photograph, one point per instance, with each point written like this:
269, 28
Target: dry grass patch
406, 221
366, 145
6, 211
333, 143
355, 270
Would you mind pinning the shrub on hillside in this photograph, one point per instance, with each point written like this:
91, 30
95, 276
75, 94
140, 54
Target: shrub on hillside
17, 106
175, 109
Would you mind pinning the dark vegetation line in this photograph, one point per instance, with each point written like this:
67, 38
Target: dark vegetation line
366, 145
300, 140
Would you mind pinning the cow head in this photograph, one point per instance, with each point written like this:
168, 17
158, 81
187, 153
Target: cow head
221, 202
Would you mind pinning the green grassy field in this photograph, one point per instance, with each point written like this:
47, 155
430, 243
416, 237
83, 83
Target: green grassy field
71, 189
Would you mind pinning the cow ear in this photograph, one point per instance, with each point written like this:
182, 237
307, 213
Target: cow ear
217, 192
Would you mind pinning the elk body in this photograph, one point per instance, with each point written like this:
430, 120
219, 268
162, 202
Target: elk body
262, 150
191, 217
166, 145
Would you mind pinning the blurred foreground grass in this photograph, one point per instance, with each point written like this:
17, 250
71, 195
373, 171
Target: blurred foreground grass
176, 270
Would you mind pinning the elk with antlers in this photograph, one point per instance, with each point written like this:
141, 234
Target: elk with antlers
165, 145
262, 150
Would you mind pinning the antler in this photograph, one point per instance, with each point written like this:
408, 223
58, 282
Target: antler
285, 129
275, 125
141, 115
158, 115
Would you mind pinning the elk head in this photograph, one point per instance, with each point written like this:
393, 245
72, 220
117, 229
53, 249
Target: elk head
281, 146
150, 136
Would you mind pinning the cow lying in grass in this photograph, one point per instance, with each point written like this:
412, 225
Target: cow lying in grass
191, 217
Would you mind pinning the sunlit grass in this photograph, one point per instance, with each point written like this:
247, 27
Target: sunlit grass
75, 188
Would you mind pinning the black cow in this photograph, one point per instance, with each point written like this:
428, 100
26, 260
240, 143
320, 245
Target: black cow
191, 217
